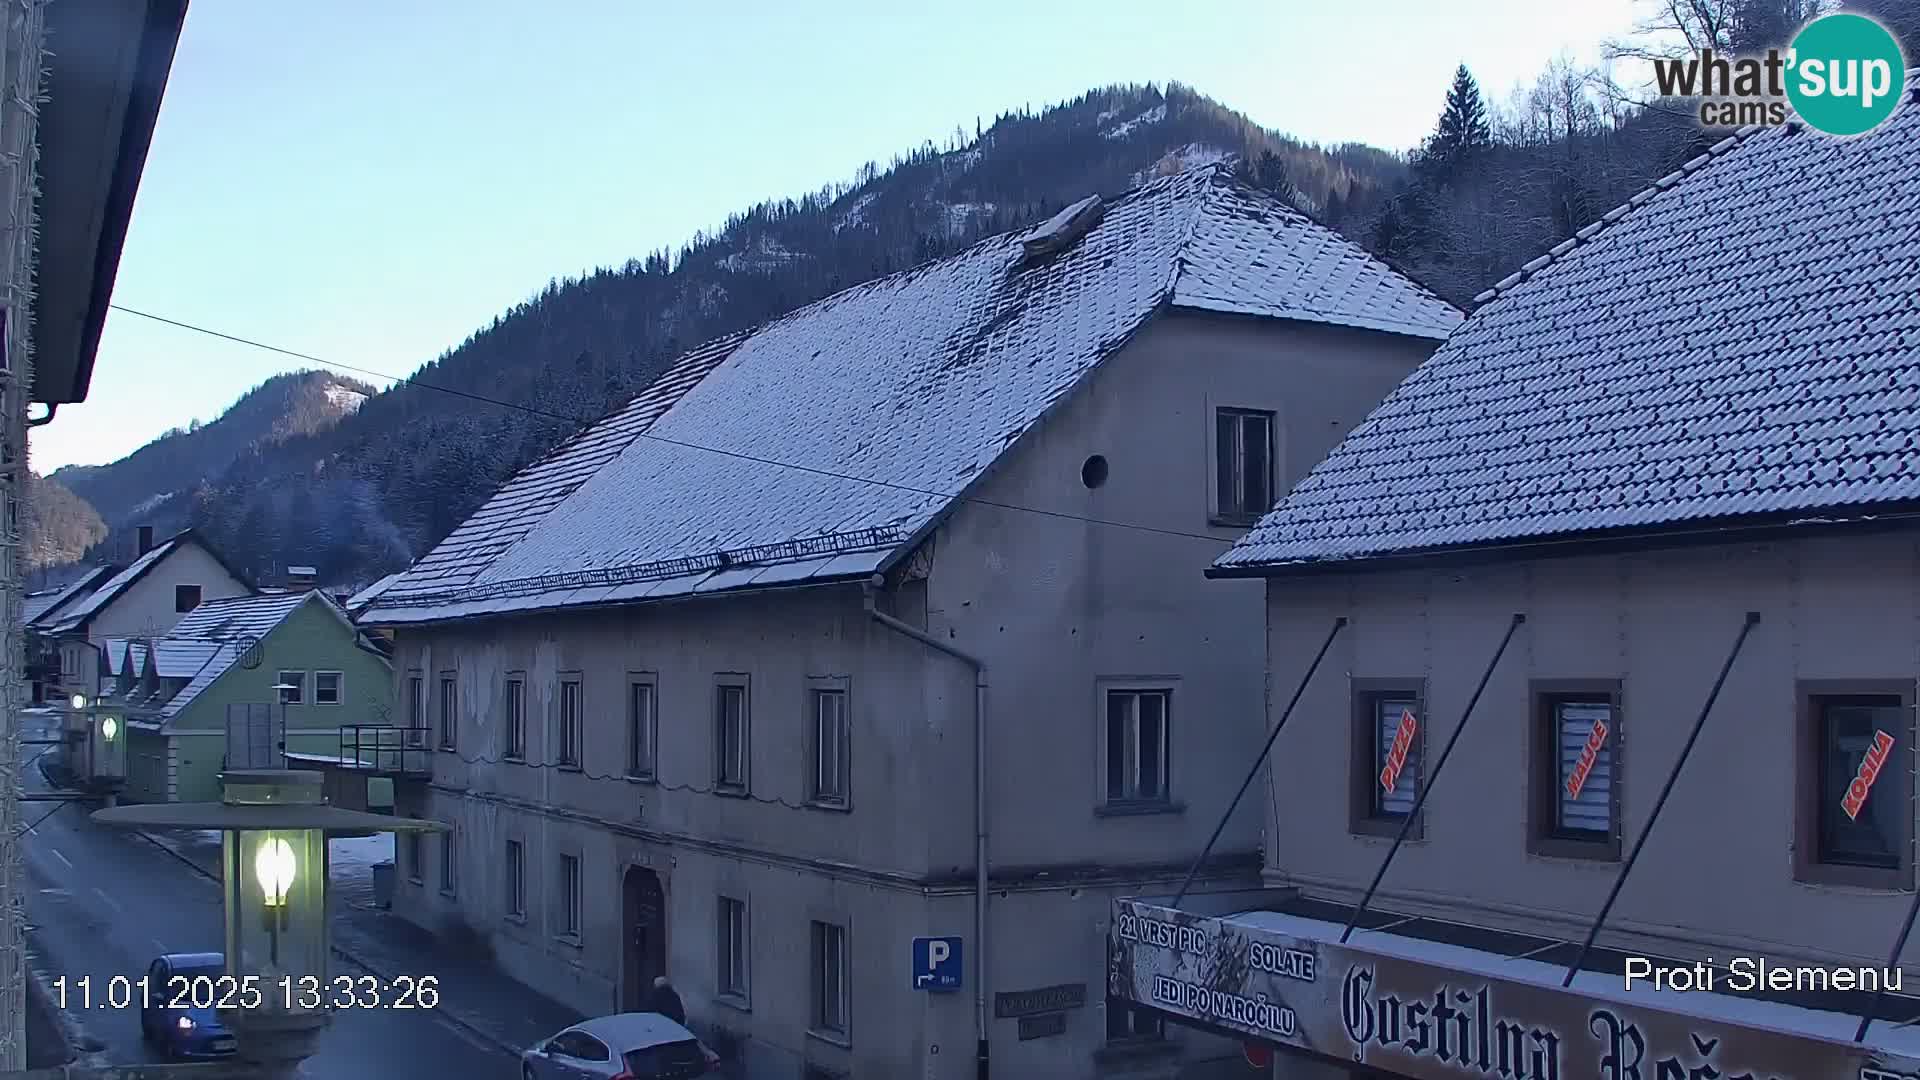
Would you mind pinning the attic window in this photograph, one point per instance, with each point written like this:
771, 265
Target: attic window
186, 597
1062, 230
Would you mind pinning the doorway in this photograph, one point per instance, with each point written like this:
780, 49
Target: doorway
643, 934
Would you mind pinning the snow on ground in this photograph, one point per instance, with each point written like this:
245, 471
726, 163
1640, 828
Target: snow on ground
1106, 116
855, 215
148, 504
1190, 156
344, 398
961, 215
357, 854
764, 253
1151, 116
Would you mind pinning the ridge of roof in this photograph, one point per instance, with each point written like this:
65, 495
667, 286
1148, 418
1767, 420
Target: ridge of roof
913, 384
1647, 194
1640, 198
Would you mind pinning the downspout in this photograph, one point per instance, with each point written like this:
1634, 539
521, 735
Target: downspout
979, 810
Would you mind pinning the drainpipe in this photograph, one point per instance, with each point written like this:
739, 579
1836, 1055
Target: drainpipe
979, 810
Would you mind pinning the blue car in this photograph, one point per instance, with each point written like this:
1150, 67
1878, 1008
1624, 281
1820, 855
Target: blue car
191, 1031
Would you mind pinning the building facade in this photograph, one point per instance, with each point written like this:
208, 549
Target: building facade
769, 797
1609, 762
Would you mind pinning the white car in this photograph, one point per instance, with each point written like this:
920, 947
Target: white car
626, 1046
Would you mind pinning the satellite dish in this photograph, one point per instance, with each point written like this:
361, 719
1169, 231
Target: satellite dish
249, 652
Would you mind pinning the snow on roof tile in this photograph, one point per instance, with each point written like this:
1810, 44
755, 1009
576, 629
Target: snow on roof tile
217, 663
237, 617
365, 597
882, 402
1745, 342
176, 659
118, 584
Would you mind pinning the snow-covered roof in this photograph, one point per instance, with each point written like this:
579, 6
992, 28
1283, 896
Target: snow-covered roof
238, 617
77, 616
177, 659
42, 614
882, 402
359, 601
1739, 343
219, 661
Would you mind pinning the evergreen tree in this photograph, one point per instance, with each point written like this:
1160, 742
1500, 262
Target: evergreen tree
1462, 135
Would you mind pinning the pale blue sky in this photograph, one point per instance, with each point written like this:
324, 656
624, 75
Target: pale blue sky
369, 181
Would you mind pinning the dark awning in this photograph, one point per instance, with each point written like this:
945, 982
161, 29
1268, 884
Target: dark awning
107, 68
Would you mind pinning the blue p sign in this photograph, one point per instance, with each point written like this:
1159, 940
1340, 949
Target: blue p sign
936, 963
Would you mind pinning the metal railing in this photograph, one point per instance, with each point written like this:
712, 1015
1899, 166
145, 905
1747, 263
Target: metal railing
387, 748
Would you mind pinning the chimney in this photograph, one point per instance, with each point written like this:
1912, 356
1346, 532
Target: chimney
146, 540
302, 577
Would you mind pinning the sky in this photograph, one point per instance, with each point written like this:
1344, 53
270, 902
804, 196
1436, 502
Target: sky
368, 183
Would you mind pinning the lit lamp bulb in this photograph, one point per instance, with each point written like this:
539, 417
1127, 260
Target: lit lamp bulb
78, 701
275, 865
109, 727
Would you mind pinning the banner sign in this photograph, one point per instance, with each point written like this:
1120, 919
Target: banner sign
1589, 754
1397, 755
1435, 1023
1870, 766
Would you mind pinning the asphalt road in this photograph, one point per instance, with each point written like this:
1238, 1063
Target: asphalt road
104, 902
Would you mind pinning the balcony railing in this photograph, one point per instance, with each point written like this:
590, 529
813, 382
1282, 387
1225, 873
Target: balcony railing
387, 748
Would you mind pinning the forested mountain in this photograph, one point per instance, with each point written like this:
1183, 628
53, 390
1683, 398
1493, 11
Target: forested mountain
56, 526
1497, 184
153, 485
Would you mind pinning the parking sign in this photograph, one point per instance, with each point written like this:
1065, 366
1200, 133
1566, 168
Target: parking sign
936, 963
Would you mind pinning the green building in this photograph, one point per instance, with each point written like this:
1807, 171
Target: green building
291, 658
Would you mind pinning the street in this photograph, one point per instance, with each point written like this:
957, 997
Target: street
105, 902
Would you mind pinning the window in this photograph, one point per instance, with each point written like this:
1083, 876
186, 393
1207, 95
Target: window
516, 709
416, 857
830, 980
1131, 1022
1575, 808
730, 736
1136, 745
568, 732
827, 704
516, 880
1389, 759
449, 864
416, 710
292, 686
449, 711
580, 1046
569, 896
1855, 786
186, 597
732, 979
643, 724
1243, 465
326, 687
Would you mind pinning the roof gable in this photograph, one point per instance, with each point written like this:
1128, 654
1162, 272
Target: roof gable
1739, 343
77, 617
814, 447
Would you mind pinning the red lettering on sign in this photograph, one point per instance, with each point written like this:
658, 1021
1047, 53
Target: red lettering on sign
1397, 755
1870, 766
1589, 754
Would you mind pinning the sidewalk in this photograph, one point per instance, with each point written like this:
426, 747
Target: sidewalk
474, 995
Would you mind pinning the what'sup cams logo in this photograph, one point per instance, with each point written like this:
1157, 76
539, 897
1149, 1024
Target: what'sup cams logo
1842, 75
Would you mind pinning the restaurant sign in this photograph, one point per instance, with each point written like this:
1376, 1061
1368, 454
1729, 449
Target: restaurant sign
1435, 1023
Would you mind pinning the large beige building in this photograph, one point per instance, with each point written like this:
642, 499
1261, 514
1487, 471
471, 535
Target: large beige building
1681, 449
705, 683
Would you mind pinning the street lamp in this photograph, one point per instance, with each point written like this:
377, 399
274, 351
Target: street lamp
78, 701
274, 825
109, 727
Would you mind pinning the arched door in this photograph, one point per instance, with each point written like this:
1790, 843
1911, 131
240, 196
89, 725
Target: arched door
643, 936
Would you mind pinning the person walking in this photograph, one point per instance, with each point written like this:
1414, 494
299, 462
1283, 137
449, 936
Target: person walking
666, 1001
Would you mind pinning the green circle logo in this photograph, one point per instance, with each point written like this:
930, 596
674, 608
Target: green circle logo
1847, 74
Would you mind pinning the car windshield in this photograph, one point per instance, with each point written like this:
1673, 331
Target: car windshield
667, 1060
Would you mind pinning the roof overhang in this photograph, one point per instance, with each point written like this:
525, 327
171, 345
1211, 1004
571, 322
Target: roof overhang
106, 71
1742, 530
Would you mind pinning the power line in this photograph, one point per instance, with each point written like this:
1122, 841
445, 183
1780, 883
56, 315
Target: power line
583, 421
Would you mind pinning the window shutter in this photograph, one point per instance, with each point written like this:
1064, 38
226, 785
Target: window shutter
1406, 788
1592, 811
